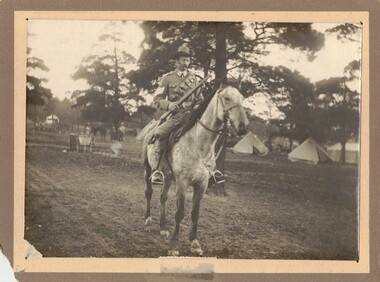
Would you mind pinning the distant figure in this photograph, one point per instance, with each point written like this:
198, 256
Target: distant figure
121, 131
87, 129
115, 147
101, 128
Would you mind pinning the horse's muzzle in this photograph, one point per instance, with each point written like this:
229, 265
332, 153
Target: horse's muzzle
242, 128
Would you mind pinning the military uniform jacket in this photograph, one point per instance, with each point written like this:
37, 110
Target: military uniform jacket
172, 87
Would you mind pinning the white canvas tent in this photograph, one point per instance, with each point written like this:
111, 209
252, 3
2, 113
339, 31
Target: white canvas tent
352, 152
309, 152
52, 119
249, 144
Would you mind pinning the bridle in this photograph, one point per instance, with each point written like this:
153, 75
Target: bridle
226, 118
222, 132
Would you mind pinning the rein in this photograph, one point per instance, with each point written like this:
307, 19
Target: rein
222, 132
221, 146
219, 131
223, 129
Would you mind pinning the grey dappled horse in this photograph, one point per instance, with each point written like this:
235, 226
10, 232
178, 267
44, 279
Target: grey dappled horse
192, 160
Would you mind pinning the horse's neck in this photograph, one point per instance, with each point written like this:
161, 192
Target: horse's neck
206, 139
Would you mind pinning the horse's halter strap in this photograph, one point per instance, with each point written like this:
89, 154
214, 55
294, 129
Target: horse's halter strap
223, 129
226, 110
220, 131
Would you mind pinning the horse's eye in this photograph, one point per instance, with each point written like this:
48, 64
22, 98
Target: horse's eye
227, 99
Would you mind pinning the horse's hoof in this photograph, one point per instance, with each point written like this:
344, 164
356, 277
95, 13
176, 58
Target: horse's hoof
173, 253
148, 224
165, 233
148, 228
195, 248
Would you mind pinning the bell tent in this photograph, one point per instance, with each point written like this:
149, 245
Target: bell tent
309, 152
250, 144
52, 119
352, 152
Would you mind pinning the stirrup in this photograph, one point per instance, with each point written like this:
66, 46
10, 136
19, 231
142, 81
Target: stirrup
218, 176
156, 177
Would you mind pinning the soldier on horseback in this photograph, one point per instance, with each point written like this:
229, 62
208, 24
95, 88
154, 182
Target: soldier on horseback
172, 87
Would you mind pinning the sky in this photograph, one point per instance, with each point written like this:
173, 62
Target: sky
62, 44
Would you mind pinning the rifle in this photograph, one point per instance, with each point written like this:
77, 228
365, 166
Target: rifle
184, 98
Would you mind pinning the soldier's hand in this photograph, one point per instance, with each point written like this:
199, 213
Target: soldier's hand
173, 106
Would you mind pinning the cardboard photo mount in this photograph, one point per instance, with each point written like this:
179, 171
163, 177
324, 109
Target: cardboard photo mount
36, 263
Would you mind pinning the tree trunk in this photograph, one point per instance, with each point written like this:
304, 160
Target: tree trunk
220, 75
117, 94
291, 144
270, 136
344, 129
343, 153
116, 126
220, 52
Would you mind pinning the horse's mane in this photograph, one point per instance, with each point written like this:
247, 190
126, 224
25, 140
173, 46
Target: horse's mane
198, 112
195, 115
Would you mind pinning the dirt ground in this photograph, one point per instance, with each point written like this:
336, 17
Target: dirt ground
93, 205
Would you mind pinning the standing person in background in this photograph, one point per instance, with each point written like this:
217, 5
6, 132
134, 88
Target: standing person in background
121, 131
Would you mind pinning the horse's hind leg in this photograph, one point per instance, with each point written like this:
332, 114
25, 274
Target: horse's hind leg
199, 190
163, 198
148, 196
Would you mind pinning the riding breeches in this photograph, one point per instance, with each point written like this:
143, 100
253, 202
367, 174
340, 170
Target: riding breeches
158, 148
162, 133
164, 130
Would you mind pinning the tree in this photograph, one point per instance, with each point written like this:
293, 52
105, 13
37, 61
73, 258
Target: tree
51, 106
36, 93
339, 103
219, 47
294, 96
346, 32
108, 98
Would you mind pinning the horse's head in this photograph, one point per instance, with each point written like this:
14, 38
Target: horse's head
231, 110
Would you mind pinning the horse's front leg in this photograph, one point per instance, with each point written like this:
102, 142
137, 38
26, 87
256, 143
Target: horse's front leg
148, 196
163, 199
199, 190
180, 213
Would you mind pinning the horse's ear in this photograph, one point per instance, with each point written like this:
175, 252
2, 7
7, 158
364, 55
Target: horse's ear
239, 80
233, 81
223, 82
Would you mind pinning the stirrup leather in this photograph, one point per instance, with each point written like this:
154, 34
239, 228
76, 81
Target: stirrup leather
218, 176
157, 174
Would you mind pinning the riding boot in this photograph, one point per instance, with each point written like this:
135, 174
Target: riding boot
157, 176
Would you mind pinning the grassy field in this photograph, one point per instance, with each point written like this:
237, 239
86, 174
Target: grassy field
93, 205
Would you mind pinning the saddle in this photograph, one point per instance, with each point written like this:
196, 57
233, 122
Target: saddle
178, 131
191, 119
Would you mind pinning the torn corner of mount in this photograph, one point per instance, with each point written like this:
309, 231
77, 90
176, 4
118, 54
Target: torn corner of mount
31, 251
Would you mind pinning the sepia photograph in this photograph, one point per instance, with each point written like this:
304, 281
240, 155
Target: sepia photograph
230, 140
